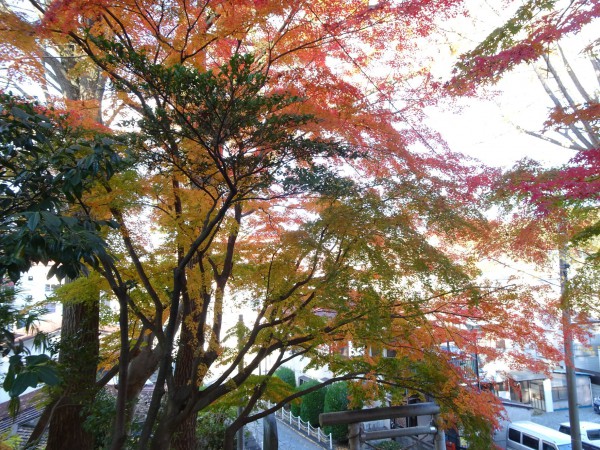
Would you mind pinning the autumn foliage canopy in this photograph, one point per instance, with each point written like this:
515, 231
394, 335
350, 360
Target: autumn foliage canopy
278, 166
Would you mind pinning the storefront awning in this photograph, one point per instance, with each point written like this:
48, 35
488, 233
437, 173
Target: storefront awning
525, 375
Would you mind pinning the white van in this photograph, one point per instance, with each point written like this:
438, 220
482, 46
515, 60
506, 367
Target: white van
531, 436
590, 434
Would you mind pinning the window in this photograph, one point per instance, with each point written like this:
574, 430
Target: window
29, 297
531, 442
546, 446
559, 393
514, 435
593, 434
587, 446
50, 307
584, 350
30, 277
565, 429
374, 351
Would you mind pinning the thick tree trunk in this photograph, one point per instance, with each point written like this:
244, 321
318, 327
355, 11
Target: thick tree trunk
79, 347
165, 431
79, 350
185, 434
229, 441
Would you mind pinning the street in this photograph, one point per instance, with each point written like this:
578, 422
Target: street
289, 439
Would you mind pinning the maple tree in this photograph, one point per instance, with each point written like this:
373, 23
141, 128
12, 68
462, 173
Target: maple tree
557, 206
533, 35
565, 195
276, 180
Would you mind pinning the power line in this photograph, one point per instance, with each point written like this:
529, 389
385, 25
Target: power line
524, 272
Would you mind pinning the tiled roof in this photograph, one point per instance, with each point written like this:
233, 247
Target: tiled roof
29, 413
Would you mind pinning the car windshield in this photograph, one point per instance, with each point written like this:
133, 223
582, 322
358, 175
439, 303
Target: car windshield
593, 434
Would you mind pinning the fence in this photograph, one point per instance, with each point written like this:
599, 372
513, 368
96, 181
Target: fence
297, 422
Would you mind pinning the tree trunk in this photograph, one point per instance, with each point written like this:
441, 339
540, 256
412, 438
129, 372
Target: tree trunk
163, 436
229, 441
185, 434
79, 351
141, 368
79, 347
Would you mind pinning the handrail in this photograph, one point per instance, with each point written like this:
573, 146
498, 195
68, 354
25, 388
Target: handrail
306, 427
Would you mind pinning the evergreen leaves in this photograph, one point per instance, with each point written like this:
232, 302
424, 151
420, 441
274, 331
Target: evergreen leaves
45, 169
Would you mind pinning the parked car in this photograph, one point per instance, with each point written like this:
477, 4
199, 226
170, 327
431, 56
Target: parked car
528, 435
597, 405
590, 434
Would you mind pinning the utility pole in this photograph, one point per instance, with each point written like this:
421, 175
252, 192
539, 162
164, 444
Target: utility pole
569, 357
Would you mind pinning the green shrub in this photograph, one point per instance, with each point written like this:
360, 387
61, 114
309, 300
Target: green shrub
286, 374
312, 403
99, 416
296, 404
336, 399
10, 441
211, 426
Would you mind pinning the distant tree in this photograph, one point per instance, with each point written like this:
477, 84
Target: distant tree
555, 207
313, 403
297, 404
336, 399
286, 374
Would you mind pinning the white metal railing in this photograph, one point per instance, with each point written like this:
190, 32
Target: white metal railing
305, 427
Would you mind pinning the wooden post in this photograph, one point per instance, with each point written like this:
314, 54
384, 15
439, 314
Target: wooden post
355, 418
366, 415
270, 440
354, 436
439, 439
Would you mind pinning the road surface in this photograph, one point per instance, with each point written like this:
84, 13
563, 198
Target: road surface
289, 439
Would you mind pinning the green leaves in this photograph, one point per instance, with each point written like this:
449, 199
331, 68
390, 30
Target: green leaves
24, 370
35, 369
45, 168
33, 220
230, 122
